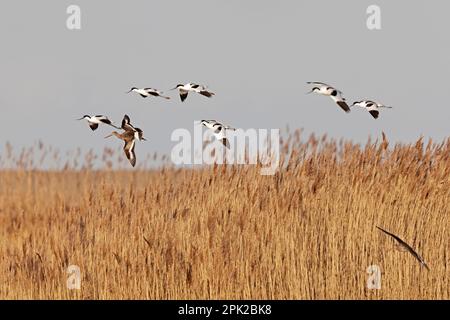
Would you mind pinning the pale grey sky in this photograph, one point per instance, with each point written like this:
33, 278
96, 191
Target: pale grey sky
255, 55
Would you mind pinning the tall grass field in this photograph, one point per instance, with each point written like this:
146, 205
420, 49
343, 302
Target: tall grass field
226, 231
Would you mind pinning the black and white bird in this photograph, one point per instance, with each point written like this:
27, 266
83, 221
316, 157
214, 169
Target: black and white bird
402, 245
184, 89
327, 90
127, 126
94, 121
219, 130
371, 106
147, 92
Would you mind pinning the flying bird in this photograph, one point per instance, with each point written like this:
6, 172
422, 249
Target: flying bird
402, 244
184, 89
371, 106
147, 92
327, 90
129, 136
94, 121
219, 130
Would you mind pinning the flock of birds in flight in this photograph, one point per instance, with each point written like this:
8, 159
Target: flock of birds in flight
336, 95
131, 133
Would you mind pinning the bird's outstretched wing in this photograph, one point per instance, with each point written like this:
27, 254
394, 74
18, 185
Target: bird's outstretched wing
374, 113
318, 83
406, 246
105, 120
206, 93
108, 122
183, 95
344, 106
340, 101
152, 92
156, 93
373, 109
129, 151
226, 143
126, 125
93, 126
125, 120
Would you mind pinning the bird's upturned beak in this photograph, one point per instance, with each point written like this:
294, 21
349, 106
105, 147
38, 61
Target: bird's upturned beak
80, 119
174, 88
128, 91
143, 139
309, 92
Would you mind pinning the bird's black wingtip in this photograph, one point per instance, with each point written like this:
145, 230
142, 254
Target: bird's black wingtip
374, 113
381, 229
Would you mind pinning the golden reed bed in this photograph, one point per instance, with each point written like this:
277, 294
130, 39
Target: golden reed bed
308, 232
